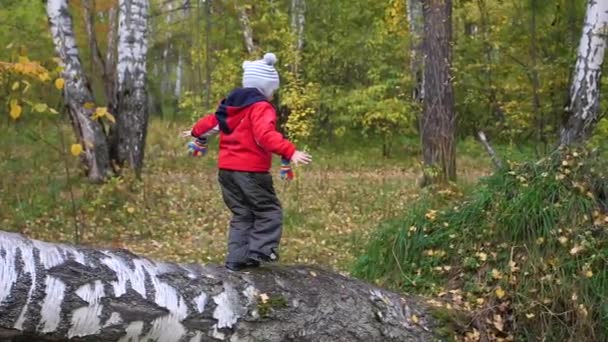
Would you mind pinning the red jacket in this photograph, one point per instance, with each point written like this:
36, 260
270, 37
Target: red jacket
248, 135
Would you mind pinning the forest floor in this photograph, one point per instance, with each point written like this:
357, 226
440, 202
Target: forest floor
176, 213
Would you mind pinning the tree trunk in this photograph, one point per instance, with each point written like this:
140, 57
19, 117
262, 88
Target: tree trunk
132, 108
110, 73
53, 292
178, 76
416, 27
246, 28
77, 93
88, 7
439, 119
536, 105
208, 54
298, 20
584, 103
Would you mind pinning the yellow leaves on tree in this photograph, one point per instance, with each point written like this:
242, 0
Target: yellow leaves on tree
59, 83
102, 112
15, 109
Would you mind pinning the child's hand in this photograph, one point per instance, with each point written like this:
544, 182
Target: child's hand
197, 147
300, 157
286, 172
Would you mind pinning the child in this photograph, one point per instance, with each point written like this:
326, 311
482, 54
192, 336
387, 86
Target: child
246, 122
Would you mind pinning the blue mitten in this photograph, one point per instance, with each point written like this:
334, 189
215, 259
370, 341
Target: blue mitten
197, 147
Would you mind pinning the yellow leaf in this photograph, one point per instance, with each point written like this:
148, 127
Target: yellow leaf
15, 86
52, 110
589, 273
110, 118
89, 105
59, 83
100, 112
130, 210
529, 315
415, 319
40, 107
76, 149
15, 109
313, 273
500, 293
264, 298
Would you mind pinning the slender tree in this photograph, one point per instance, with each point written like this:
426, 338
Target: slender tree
77, 93
416, 28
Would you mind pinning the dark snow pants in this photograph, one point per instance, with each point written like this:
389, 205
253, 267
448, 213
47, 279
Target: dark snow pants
257, 218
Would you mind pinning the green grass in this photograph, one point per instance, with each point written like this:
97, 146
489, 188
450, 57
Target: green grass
536, 230
176, 211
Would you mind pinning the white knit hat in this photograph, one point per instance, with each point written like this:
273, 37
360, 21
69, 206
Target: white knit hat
261, 74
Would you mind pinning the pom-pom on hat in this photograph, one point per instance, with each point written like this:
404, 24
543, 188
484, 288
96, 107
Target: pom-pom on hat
261, 74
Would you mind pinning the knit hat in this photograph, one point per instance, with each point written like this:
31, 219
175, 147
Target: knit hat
261, 74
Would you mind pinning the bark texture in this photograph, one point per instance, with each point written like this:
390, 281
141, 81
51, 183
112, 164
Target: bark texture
246, 28
584, 103
53, 292
439, 119
132, 108
77, 92
416, 27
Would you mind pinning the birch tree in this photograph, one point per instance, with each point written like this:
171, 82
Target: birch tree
246, 28
54, 292
77, 93
584, 102
298, 20
132, 103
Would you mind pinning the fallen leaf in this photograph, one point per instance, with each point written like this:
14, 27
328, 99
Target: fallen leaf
414, 319
496, 274
15, 86
312, 273
264, 298
498, 323
500, 293
575, 250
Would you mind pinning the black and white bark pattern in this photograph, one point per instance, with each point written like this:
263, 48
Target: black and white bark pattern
54, 292
584, 102
132, 109
77, 92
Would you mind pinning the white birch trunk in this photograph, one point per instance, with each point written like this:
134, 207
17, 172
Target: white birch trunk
77, 92
132, 109
54, 292
584, 102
